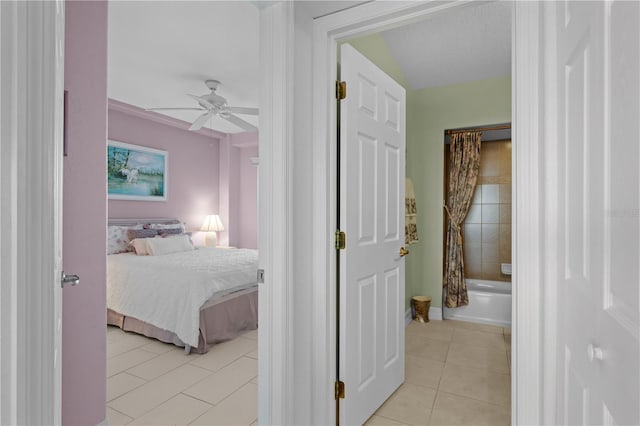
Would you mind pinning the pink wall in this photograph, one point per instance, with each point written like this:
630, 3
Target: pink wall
85, 212
248, 198
238, 190
193, 182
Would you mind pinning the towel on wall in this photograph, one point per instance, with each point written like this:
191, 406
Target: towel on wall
410, 227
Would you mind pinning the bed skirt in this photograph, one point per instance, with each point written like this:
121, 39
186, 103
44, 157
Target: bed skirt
220, 319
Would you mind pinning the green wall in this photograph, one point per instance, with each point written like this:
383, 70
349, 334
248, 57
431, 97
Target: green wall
429, 112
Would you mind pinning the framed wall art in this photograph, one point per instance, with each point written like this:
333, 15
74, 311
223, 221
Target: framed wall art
136, 172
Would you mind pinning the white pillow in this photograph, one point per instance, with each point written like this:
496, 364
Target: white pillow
140, 245
167, 245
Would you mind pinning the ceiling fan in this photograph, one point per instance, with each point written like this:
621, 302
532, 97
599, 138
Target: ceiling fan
214, 104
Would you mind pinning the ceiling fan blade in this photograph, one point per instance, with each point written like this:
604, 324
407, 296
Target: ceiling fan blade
201, 121
175, 109
243, 110
240, 122
202, 101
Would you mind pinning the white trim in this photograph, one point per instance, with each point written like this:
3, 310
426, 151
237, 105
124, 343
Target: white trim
275, 360
31, 99
135, 111
408, 317
527, 308
435, 313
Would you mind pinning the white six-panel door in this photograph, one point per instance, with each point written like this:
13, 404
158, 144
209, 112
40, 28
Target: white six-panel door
372, 173
597, 73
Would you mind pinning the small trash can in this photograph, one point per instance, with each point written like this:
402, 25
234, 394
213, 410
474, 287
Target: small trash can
421, 305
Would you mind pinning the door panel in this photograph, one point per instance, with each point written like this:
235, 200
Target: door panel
598, 74
372, 169
619, 306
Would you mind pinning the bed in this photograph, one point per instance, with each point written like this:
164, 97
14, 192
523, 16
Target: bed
192, 298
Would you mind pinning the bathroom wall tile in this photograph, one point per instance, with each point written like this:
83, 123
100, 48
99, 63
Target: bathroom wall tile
505, 193
489, 160
472, 233
491, 271
505, 254
505, 213
490, 233
490, 180
490, 253
473, 265
477, 194
490, 194
475, 214
505, 244
472, 252
490, 213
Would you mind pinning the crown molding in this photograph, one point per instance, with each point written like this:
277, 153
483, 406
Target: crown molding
135, 111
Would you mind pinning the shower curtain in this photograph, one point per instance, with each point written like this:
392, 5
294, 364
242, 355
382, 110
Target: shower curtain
464, 165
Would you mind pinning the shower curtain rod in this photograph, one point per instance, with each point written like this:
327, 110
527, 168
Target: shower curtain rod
479, 129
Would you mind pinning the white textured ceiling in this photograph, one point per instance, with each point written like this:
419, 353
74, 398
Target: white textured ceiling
473, 43
159, 51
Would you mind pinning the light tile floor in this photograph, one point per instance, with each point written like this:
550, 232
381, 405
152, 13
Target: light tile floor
153, 383
456, 373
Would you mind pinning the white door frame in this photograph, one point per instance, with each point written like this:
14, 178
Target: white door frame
528, 360
31, 92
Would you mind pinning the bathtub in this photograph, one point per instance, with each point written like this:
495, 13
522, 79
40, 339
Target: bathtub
489, 303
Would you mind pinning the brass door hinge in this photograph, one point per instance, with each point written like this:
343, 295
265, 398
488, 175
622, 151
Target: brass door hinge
341, 90
339, 389
341, 240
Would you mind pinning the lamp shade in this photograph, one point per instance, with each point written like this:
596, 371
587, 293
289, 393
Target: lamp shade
212, 223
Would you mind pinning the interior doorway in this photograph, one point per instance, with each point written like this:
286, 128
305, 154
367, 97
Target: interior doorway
453, 104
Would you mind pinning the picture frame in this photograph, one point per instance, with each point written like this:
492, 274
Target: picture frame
136, 173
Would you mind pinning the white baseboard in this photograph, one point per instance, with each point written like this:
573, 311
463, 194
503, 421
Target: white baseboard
434, 314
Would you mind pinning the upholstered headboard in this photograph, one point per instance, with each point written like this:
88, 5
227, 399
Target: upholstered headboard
141, 221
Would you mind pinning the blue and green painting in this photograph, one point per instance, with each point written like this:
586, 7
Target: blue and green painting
132, 172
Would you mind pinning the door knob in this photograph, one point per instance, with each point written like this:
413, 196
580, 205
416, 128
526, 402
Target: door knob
594, 352
403, 252
69, 279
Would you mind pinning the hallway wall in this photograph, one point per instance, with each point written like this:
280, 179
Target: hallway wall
85, 214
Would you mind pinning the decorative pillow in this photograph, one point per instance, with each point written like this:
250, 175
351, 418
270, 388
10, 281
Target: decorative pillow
117, 238
168, 232
173, 244
165, 226
141, 233
140, 246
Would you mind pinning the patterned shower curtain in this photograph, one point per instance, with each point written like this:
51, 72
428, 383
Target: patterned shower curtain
464, 165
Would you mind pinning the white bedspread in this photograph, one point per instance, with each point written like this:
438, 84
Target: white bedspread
168, 291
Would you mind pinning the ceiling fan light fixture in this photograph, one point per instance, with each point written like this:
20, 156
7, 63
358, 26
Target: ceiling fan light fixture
214, 104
